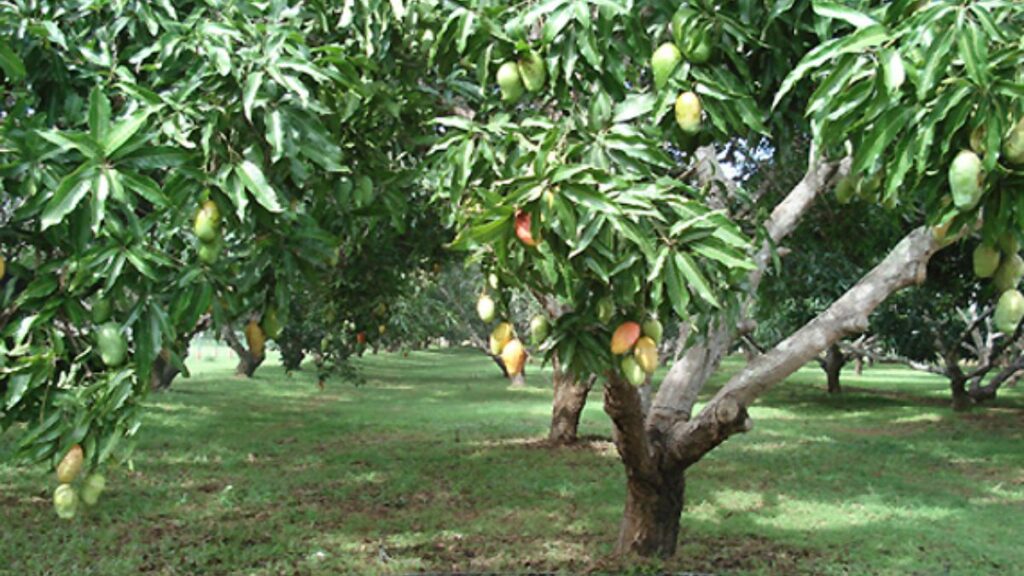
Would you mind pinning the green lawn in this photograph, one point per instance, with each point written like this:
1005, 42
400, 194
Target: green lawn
434, 465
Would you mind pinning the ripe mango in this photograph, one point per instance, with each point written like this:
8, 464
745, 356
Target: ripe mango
500, 336
688, 111
524, 222
255, 338
70, 465
514, 357
624, 337
646, 353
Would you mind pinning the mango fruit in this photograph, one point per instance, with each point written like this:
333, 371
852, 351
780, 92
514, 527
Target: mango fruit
514, 357
1009, 273
624, 337
646, 353
533, 71
500, 336
653, 329
524, 222
510, 83
688, 111
70, 465
1009, 312
965, 180
485, 308
986, 260
111, 343
209, 252
65, 501
3, 267
207, 221
634, 374
540, 328
270, 324
1013, 144
605, 309
92, 488
664, 62
101, 310
255, 338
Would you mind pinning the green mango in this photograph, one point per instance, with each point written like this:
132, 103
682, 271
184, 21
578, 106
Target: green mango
65, 501
271, 325
540, 328
92, 488
846, 188
664, 62
1009, 273
1009, 311
209, 252
965, 179
1013, 144
986, 260
605, 309
510, 82
207, 222
533, 71
1009, 244
101, 310
485, 308
653, 329
112, 345
631, 369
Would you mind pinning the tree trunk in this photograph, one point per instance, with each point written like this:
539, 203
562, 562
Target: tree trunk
858, 366
654, 506
567, 407
164, 372
961, 399
247, 362
834, 361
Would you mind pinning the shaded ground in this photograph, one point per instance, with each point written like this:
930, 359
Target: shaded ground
435, 466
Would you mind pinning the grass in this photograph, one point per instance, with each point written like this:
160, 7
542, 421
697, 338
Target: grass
435, 466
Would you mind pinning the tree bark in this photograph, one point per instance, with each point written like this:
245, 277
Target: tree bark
163, 373
962, 401
247, 361
651, 520
834, 361
567, 407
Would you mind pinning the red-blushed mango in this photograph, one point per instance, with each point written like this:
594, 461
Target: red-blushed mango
624, 337
524, 222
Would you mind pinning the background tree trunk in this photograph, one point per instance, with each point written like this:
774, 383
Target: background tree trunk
834, 361
163, 373
247, 362
567, 407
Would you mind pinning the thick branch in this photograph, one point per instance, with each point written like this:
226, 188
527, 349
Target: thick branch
623, 404
906, 264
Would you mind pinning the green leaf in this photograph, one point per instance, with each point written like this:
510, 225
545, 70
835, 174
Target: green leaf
861, 39
634, 106
124, 130
99, 114
256, 183
678, 295
695, 278
838, 11
275, 134
252, 88
11, 63
72, 189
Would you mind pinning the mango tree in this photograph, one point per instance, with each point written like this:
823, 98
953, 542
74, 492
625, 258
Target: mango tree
161, 163
580, 180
